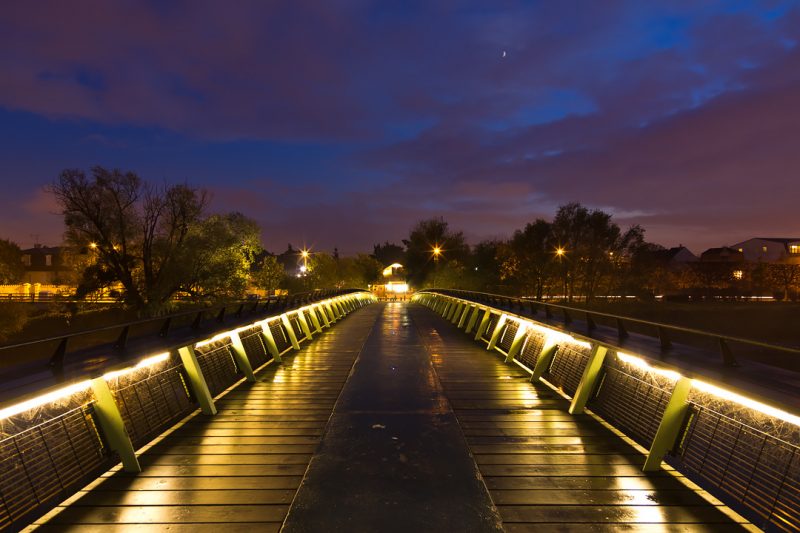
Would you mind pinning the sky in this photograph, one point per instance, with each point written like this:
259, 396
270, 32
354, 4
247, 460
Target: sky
342, 123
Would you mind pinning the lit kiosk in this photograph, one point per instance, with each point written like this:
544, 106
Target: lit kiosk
393, 285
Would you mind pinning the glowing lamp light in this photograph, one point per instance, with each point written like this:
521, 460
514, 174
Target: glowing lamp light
93, 245
304, 254
560, 251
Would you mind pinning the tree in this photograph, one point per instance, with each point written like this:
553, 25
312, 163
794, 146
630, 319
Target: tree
219, 252
154, 241
785, 276
593, 248
11, 268
388, 253
528, 259
426, 235
269, 275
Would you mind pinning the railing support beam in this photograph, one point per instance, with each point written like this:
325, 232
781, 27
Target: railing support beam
197, 381
670, 426
110, 420
588, 380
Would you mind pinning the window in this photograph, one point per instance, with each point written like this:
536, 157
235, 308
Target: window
48, 260
738, 274
764, 249
741, 249
794, 249
26, 260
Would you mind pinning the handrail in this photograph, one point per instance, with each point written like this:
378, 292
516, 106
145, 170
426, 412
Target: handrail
92, 422
728, 358
52, 357
726, 430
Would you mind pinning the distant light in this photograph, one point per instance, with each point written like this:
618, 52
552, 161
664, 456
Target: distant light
92, 245
437, 251
397, 287
303, 268
304, 253
560, 251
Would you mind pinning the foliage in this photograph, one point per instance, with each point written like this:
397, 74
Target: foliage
154, 241
11, 268
422, 239
269, 274
784, 276
13, 317
389, 253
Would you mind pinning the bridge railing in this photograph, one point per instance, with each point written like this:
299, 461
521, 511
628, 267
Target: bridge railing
744, 451
57, 439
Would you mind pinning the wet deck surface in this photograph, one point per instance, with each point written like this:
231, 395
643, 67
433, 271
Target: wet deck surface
430, 433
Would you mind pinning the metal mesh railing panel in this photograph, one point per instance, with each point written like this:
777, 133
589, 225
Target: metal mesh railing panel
531, 348
44, 464
151, 405
632, 400
279, 334
253, 342
218, 367
507, 335
751, 470
567, 367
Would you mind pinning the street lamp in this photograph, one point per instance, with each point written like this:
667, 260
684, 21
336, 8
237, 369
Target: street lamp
561, 254
437, 251
304, 254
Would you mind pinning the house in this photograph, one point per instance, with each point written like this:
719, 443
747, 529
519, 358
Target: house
672, 257
768, 249
393, 283
43, 264
723, 254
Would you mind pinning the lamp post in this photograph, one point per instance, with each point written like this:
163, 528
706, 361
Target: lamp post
561, 254
437, 251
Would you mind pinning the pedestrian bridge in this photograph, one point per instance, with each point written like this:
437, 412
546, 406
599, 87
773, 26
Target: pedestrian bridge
441, 414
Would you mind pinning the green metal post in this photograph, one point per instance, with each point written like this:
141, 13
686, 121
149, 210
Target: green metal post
543, 360
326, 322
110, 420
588, 380
269, 340
289, 331
196, 380
473, 319
482, 326
464, 314
498, 329
329, 310
240, 356
315, 319
452, 311
304, 325
670, 425
457, 314
516, 344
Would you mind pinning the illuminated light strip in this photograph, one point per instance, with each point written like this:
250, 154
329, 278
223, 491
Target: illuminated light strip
44, 399
552, 335
747, 402
215, 338
148, 361
644, 365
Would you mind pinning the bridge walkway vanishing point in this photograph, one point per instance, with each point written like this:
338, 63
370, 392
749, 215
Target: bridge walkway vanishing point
392, 421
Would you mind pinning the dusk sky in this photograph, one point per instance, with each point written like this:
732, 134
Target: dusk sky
341, 123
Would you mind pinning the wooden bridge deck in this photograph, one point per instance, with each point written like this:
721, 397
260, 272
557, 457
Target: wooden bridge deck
536, 466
